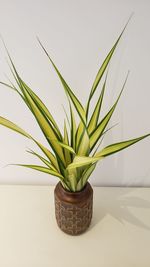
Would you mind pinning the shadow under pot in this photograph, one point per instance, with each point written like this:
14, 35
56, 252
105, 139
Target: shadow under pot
73, 210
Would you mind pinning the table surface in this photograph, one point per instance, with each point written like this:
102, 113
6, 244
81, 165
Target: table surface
119, 235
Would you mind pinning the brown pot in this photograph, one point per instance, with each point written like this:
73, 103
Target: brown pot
73, 210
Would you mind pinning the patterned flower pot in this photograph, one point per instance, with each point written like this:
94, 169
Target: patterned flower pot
73, 210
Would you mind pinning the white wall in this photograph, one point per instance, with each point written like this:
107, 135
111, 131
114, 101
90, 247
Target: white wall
78, 34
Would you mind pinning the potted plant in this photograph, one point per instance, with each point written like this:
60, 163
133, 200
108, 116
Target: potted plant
72, 155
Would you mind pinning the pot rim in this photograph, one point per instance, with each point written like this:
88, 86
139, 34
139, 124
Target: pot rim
76, 192
73, 197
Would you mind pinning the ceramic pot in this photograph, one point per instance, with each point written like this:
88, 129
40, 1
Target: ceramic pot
73, 210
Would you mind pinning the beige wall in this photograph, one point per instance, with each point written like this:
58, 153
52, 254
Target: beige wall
78, 34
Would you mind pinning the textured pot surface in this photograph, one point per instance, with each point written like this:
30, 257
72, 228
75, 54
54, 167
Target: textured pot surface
73, 210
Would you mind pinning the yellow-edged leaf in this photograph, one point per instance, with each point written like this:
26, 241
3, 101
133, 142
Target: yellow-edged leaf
41, 169
42, 107
80, 161
103, 68
78, 106
9, 124
97, 133
69, 148
10, 86
83, 147
102, 137
96, 113
114, 148
67, 117
45, 161
48, 154
72, 178
73, 128
79, 133
13, 127
86, 174
45, 127
66, 141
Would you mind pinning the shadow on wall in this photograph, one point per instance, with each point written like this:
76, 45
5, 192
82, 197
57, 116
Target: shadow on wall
118, 203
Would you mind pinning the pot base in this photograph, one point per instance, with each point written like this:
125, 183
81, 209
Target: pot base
73, 210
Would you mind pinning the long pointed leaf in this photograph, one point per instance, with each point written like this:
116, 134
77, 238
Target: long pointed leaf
79, 135
72, 178
80, 161
16, 90
66, 141
86, 174
18, 129
102, 137
74, 99
41, 169
42, 107
45, 126
48, 154
103, 68
45, 161
13, 126
69, 148
96, 113
83, 146
97, 133
73, 128
66, 116
114, 148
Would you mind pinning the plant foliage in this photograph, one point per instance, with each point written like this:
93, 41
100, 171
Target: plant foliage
69, 155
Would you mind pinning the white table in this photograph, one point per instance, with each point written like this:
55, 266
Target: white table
119, 235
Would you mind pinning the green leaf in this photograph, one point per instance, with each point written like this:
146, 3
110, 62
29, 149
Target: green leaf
96, 113
13, 127
42, 108
82, 140
45, 161
45, 126
16, 90
97, 133
69, 148
19, 130
78, 135
80, 161
101, 140
83, 145
10, 86
66, 141
103, 68
66, 116
114, 148
41, 169
48, 154
71, 175
73, 128
78, 106
86, 174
